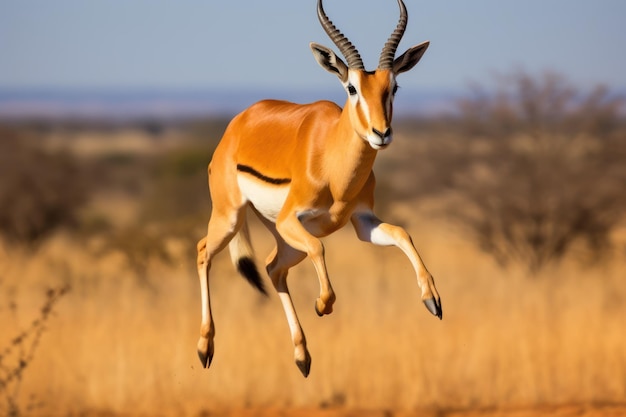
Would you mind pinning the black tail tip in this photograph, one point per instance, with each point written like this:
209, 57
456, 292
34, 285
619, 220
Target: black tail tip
248, 269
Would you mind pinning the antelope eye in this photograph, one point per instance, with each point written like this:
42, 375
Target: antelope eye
351, 89
395, 89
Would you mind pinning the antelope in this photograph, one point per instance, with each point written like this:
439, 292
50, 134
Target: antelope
306, 170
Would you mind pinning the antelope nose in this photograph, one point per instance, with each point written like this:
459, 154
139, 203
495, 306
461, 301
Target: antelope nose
380, 134
384, 136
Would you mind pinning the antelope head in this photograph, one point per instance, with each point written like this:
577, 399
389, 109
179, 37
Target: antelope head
370, 93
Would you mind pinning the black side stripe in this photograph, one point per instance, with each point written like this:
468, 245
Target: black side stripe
250, 170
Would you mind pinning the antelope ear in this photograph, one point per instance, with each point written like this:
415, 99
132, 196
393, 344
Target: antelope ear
410, 58
329, 61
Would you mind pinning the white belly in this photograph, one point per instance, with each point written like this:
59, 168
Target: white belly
267, 199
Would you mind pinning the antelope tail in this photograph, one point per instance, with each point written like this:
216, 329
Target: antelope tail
242, 256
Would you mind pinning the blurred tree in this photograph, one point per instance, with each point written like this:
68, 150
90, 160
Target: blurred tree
542, 167
39, 191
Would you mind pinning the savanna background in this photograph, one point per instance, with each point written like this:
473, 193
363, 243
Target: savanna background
516, 204
512, 188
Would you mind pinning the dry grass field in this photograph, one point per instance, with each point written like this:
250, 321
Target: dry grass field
122, 341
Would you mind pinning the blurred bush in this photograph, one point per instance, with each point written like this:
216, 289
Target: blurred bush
539, 167
178, 197
39, 191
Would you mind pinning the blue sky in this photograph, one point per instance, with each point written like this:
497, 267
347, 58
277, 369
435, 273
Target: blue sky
192, 44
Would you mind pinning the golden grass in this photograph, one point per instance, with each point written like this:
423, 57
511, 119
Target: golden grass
123, 344
506, 340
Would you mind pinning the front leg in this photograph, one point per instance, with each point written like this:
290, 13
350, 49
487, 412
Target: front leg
298, 237
370, 228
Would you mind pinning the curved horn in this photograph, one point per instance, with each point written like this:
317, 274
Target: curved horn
345, 47
389, 51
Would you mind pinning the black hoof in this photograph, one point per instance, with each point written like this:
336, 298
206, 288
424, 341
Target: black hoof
327, 310
206, 357
305, 365
434, 307
319, 313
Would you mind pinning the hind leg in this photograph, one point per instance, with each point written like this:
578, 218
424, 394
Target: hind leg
222, 227
280, 260
278, 263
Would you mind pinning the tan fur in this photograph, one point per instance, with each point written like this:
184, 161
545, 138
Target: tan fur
324, 155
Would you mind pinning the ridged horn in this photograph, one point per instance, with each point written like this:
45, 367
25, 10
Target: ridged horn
345, 46
389, 51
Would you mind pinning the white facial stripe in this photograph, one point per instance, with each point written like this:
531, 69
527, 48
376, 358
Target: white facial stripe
267, 199
354, 79
392, 84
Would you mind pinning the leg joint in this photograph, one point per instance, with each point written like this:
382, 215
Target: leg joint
300, 239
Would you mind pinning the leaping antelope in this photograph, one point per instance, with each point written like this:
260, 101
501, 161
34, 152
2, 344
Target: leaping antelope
305, 170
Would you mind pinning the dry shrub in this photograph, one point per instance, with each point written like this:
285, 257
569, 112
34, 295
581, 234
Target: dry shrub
537, 167
19, 352
39, 191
